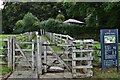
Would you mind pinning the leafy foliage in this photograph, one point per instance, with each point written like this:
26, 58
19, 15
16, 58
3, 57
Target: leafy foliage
60, 17
29, 23
93, 14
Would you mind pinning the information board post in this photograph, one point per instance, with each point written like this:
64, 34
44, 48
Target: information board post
109, 48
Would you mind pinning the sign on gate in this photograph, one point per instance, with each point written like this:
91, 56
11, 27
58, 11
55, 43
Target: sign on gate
109, 48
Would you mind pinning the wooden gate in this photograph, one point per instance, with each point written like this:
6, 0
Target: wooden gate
20, 56
81, 48
82, 58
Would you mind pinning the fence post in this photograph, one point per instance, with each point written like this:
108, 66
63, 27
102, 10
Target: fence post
33, 55
13, 56
45, 58
39, 55
73, 61
50, 36
60, 38
67, 39
43, 32
54, 37
10, 52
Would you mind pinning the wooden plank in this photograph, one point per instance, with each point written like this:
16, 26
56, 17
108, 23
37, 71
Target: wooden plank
13, 54
73, 62
53, 59
4, 39
2, 55
65, 45
78, 50
66, 52
70, 38
88, 40
33, 55
45, 58
18, 56
79, 67
76, 41
39, 55
83, 58
24, 42
8, 54
11, 49
23, 49
3, 63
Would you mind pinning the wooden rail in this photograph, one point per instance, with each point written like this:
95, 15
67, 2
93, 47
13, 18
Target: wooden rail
59, 38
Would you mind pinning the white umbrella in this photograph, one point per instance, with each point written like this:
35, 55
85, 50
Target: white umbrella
73, 21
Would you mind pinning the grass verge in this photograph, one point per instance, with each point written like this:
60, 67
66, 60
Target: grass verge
53, 47
4, 70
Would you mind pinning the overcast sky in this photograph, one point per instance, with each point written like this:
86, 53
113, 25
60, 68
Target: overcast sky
1, 2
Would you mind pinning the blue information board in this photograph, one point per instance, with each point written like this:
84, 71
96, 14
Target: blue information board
109, 48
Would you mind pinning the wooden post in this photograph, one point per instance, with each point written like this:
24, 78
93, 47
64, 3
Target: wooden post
51, 36
73, 61
43, 32
60, 38
45, 58
33, 55
39, 55
10, 53
13, 53
67, 40
54, 37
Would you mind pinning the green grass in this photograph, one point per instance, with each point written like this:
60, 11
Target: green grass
1, 51
97, 45
4, 70
5, 35
53, 47
3, 60
108, 73
2, 43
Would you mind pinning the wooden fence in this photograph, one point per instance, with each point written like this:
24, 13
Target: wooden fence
71, 49
76, 51
59, 38
8, 48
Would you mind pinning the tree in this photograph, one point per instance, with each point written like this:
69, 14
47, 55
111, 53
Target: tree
14, 11
28, 23
93, 14
60, 17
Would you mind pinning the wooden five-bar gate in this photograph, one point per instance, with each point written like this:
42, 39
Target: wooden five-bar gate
75, 55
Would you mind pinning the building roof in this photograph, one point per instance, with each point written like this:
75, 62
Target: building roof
73, 21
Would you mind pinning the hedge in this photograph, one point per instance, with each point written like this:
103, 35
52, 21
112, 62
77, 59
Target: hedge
75, 30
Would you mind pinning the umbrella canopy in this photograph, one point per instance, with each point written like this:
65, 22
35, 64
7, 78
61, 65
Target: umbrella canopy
73, 21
